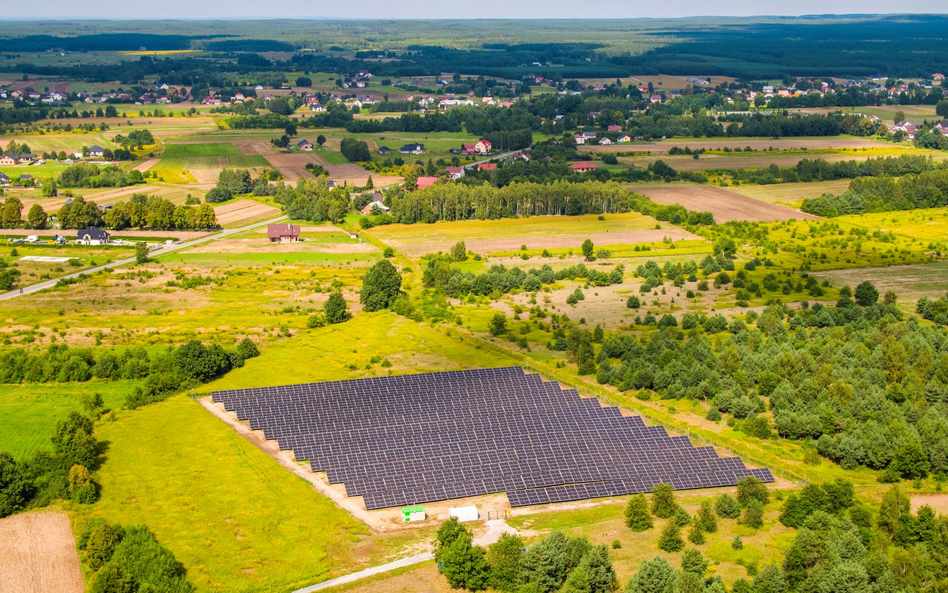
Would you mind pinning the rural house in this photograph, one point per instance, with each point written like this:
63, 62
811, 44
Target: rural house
26, 158
455, 173
385, 150
8, 159
624, 138
412, 149
95, 151
424, 182
483, 146
92, 236
305, 145
283, 233
487, 166
584, 167
4, 180
371, 206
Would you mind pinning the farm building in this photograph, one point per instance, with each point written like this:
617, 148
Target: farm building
283, 233
305, 145
413, 513
584, 167
92, 236
372, 206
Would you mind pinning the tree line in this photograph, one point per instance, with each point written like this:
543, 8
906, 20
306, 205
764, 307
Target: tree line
163, 372
140, 211
928, 189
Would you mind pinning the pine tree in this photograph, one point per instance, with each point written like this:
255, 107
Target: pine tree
695, 534
663, 501
727, 507
637, 516
671, 541
693, 561
706, 518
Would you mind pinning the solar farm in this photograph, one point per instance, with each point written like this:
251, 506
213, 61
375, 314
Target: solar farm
412, 439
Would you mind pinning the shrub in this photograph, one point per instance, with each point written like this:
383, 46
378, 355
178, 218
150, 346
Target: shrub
749, 489
727, 507
670, 540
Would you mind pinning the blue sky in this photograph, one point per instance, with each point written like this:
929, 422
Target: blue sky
362, 9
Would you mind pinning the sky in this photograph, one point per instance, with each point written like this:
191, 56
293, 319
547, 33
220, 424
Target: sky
512, 9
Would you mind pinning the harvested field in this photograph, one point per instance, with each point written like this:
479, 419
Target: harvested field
791, 193
724, 205
38, 554
243, 211
909, 282
205, 176
292, 166
144, 166
537, 232
255, 146
755, 143
261, 245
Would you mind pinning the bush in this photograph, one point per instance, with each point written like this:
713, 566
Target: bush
336, 309
753, 514
749, 489
670, 540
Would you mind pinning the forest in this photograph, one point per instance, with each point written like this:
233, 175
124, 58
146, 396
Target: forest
928, 189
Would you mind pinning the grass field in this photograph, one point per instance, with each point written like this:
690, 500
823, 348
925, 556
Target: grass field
791, 194
229, 513
30, 412
196, 150
929, 224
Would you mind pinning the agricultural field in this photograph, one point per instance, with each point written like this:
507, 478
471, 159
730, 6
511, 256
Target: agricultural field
726, 206
537, 233
791, 341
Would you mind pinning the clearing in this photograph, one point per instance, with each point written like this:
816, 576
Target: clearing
724, 205
536, 232
38, 554
909, 282
790, 194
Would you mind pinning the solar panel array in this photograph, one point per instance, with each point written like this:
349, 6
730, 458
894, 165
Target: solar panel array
413, 439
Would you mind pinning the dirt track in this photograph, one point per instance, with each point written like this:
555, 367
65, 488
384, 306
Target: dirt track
38, 554
724, 205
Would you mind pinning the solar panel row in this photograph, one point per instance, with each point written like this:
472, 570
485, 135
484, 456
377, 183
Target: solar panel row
421, 438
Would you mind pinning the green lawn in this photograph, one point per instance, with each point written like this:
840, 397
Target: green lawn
235, 518
30, 411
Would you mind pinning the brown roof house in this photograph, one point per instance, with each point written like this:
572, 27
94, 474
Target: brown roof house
283, 233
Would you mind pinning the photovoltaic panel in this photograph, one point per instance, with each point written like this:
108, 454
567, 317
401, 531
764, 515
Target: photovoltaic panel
414, 439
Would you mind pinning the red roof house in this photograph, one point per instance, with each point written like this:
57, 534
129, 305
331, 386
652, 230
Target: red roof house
487, 166
584, 167
424, 182
283, 233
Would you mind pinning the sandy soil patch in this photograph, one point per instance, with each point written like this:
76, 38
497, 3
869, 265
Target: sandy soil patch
243, 210
757, 144
487, 246
144, 166
726, 206
939, 502
38, 554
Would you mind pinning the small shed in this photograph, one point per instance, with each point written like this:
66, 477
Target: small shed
415, 513
464, 514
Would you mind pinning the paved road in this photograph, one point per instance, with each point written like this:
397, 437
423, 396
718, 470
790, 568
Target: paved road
501, 156
158, 252
495, 528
